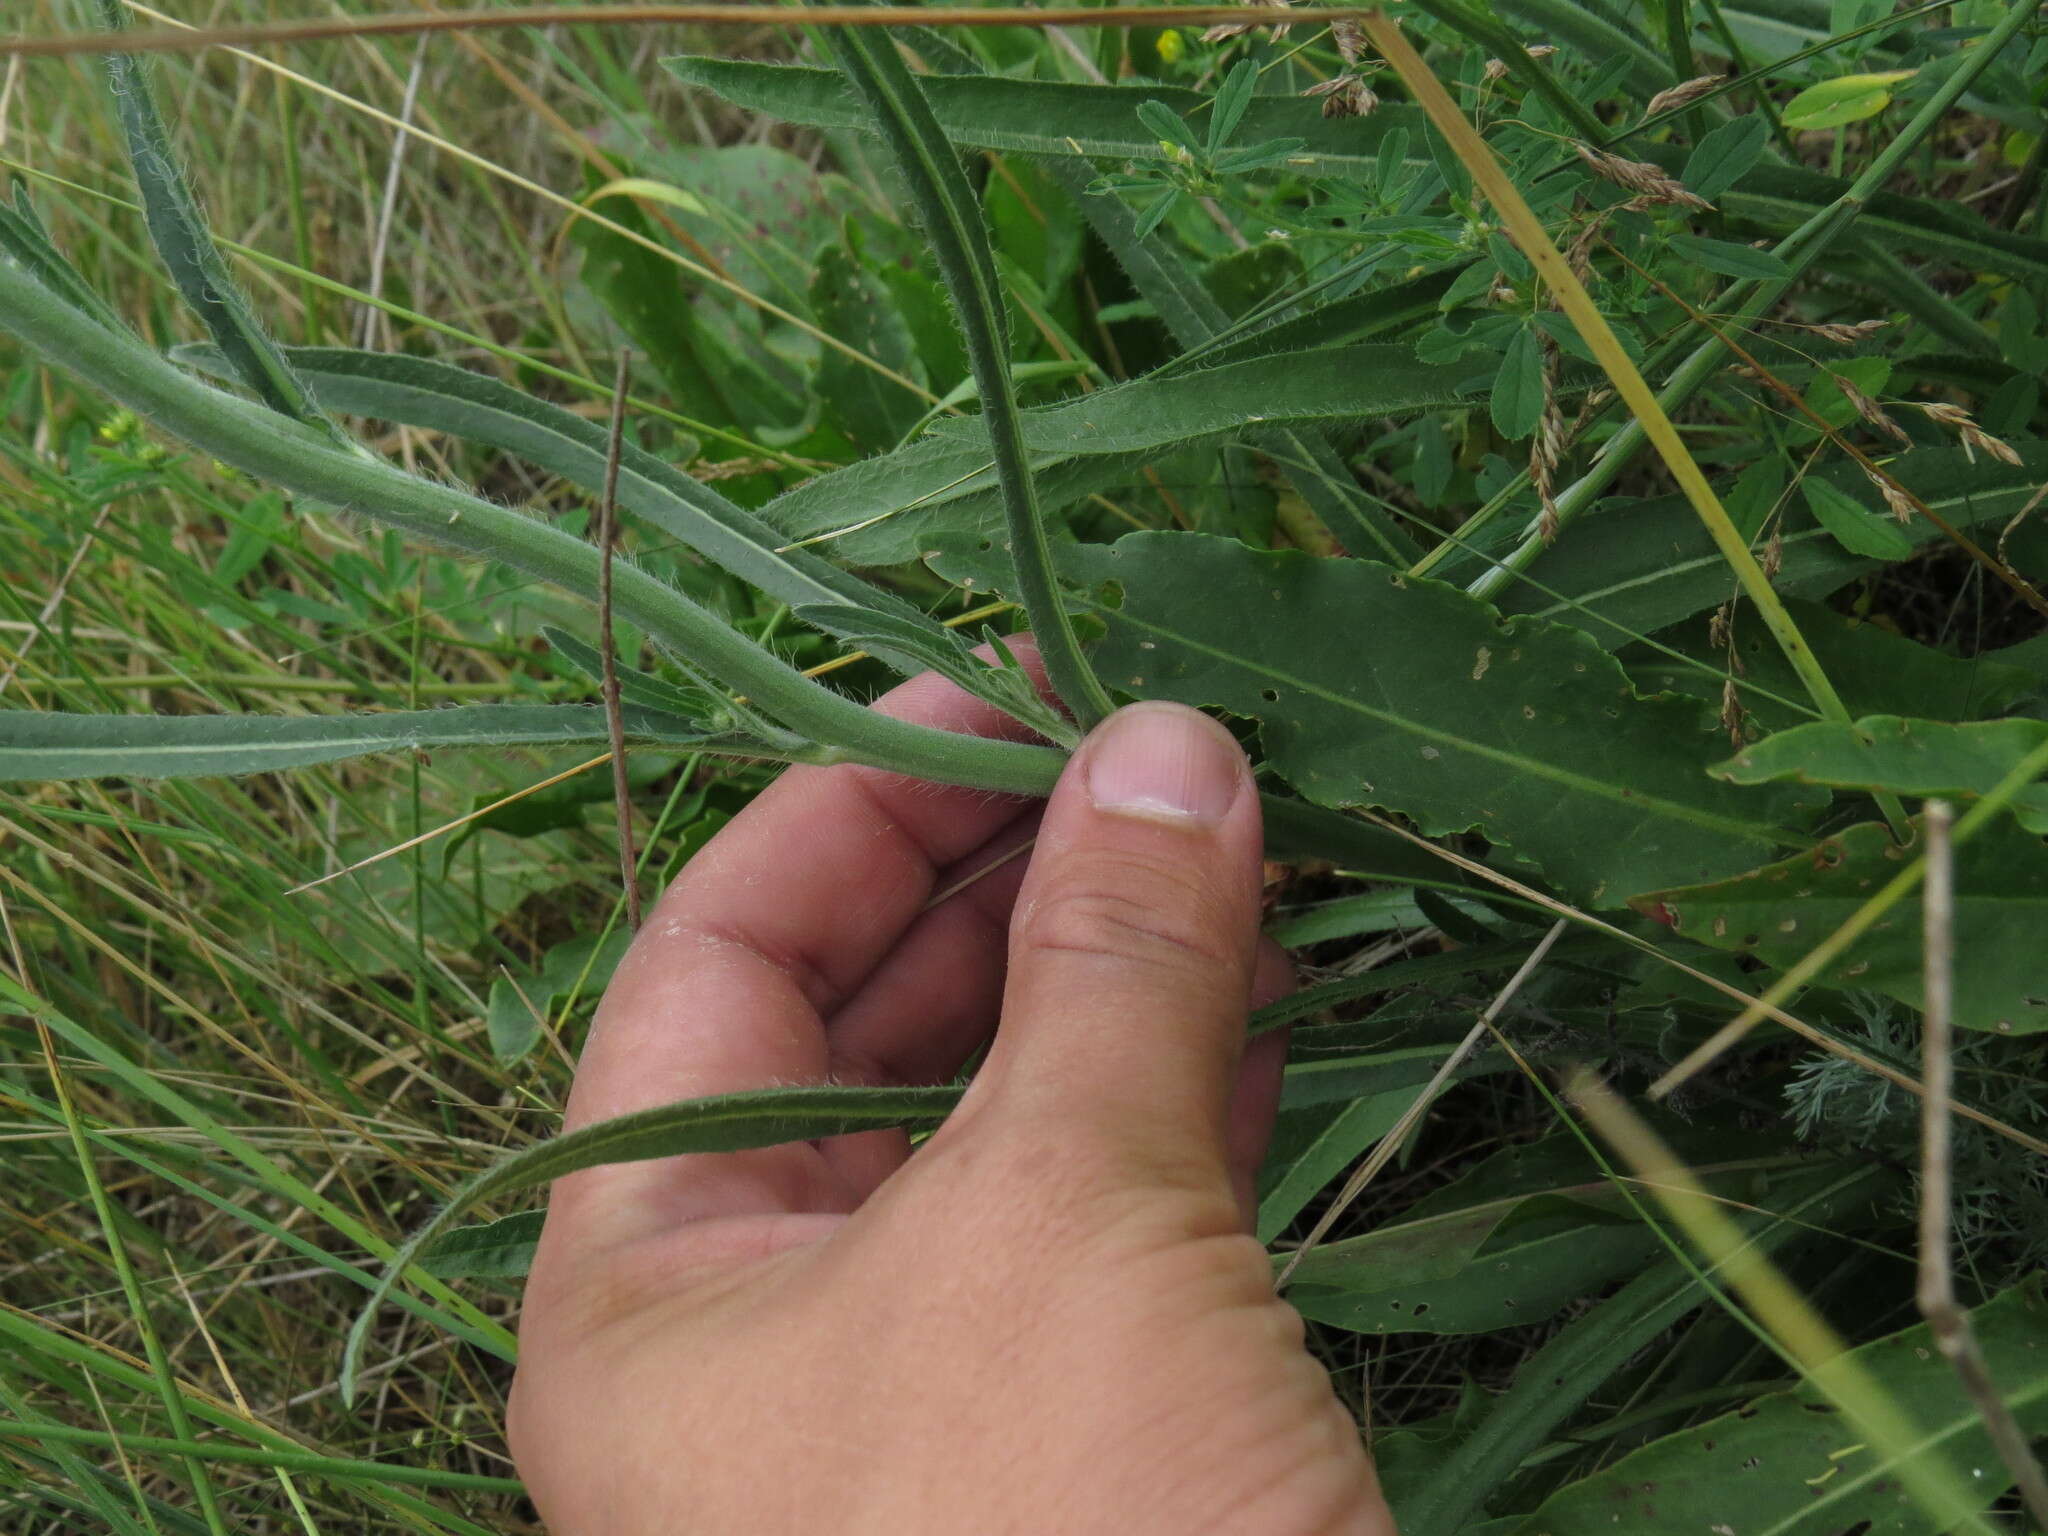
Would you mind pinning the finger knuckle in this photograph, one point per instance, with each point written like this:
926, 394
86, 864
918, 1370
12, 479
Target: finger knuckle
1131, 912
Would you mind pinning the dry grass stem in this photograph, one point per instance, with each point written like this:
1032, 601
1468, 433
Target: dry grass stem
1391, 1143
405, 23
1936, 1293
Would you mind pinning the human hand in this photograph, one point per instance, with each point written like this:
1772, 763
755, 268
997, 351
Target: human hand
1050, 1319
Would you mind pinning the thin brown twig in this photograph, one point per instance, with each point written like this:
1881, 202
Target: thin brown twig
56, 598
1395, 1139
1936, 1294
405, 23
614, 715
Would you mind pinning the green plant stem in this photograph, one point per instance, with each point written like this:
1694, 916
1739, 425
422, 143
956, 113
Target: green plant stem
301, 460
952, 219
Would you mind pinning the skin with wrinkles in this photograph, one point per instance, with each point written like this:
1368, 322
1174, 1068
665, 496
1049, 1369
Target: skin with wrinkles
1051, 1317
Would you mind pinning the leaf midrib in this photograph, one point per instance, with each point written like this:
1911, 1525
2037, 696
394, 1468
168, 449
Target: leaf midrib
1538, 767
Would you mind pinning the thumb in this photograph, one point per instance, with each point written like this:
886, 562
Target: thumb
1133, 946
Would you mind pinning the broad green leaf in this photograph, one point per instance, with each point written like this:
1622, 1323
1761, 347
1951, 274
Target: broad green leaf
1527, 732
576, 967
1857, 528
1526, 1232
733, 1122
1593, 31
850, 303
39, 745
1908, 757
1196, 319
1789, 1465
944, 481
1517, 397
709, 378
440, 397
1845, 99
177, 228
1445, 1276
1730, 259
501, 1249
1634, 567
510, 1022
1781, 911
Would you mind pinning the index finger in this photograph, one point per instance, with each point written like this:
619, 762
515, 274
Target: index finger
782, 916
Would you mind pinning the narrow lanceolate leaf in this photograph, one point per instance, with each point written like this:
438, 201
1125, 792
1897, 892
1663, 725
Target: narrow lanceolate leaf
39, 745
501, 1249
177, 228
1781, 911
1789, 1465
944, 482
950, 212
733, 1122
1377, 689
439, 397
1908, 757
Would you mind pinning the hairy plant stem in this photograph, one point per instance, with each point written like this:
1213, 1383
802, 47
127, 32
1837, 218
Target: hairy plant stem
952, 220
1748, 301
299, 459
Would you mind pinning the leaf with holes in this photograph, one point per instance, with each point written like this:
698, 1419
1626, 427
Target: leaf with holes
1908, 757
1782, 910
1527, 732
